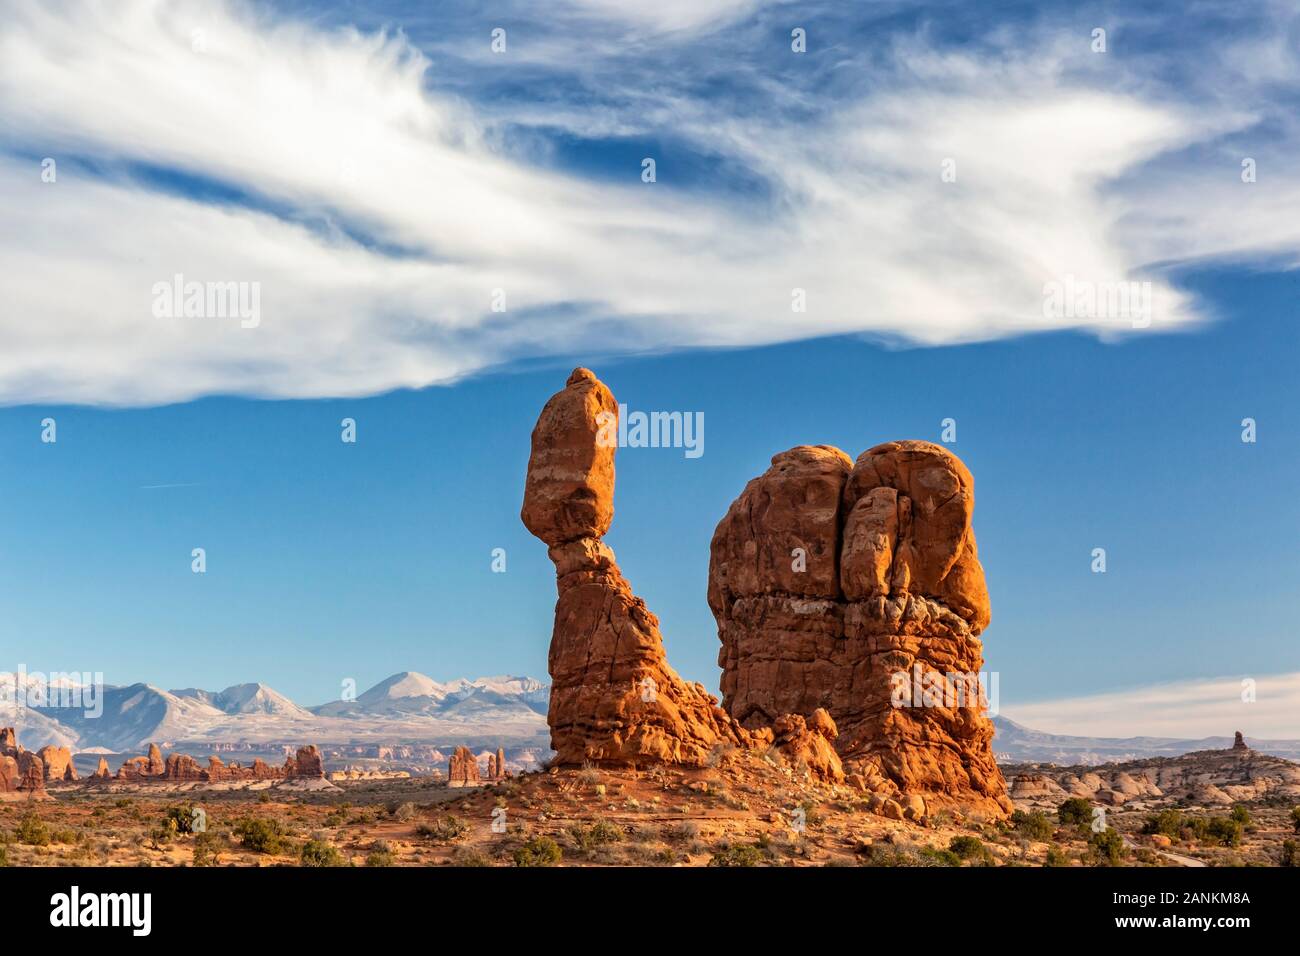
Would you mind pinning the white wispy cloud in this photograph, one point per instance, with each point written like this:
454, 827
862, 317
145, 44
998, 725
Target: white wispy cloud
1212, 707
379, 215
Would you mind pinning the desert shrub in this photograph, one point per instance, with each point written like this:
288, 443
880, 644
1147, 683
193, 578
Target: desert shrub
743, 854
379, 858
1056, 857
32, 831
933, 856
1241, 815
1290, 854
686, 831
65, 836
261, 835
320, 853
539, 851
179, 818
599, 833
1033, 825
1075, 811
966, 847
445, 830
207, 849
1106, 847
1168, 822
467, 857
883, 855
1295, 819
4, 854
1224, 831
403, 812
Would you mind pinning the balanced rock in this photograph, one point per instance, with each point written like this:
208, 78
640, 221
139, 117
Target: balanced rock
856, 587
614, 698
1239, 743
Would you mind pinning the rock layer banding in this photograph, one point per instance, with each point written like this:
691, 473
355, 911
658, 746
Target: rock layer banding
849, 586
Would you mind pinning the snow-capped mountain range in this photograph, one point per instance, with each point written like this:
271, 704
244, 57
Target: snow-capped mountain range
412, 708
406, 708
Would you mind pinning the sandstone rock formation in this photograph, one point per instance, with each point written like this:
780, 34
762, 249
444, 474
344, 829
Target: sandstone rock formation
306, 763
614, 698
1201, 778
155, 767
101, 772
182, 768
501, 764
462, 769
856, 587
58, 763
1239, 743
810, 743
21, 771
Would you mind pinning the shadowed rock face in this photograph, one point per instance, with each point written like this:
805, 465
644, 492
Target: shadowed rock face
828, 578
614, 698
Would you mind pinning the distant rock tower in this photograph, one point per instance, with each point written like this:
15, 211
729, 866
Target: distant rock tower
462, 770
1240, 742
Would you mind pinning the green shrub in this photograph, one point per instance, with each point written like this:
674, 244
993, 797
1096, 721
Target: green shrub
320, 853
379, 858
1290, 854
966, 847
1107, 847
1168, 822
933, 856
1241, 815
1034, 826
207, 849
1056, 857
744, 854
32, 831
261, 835
1295, 819
539, 851
1075, 811
598, 834
1224, 831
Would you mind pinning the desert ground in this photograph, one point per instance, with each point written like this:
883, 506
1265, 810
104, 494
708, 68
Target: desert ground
744, 811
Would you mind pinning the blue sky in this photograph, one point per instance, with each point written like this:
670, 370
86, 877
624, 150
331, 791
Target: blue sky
380, 173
